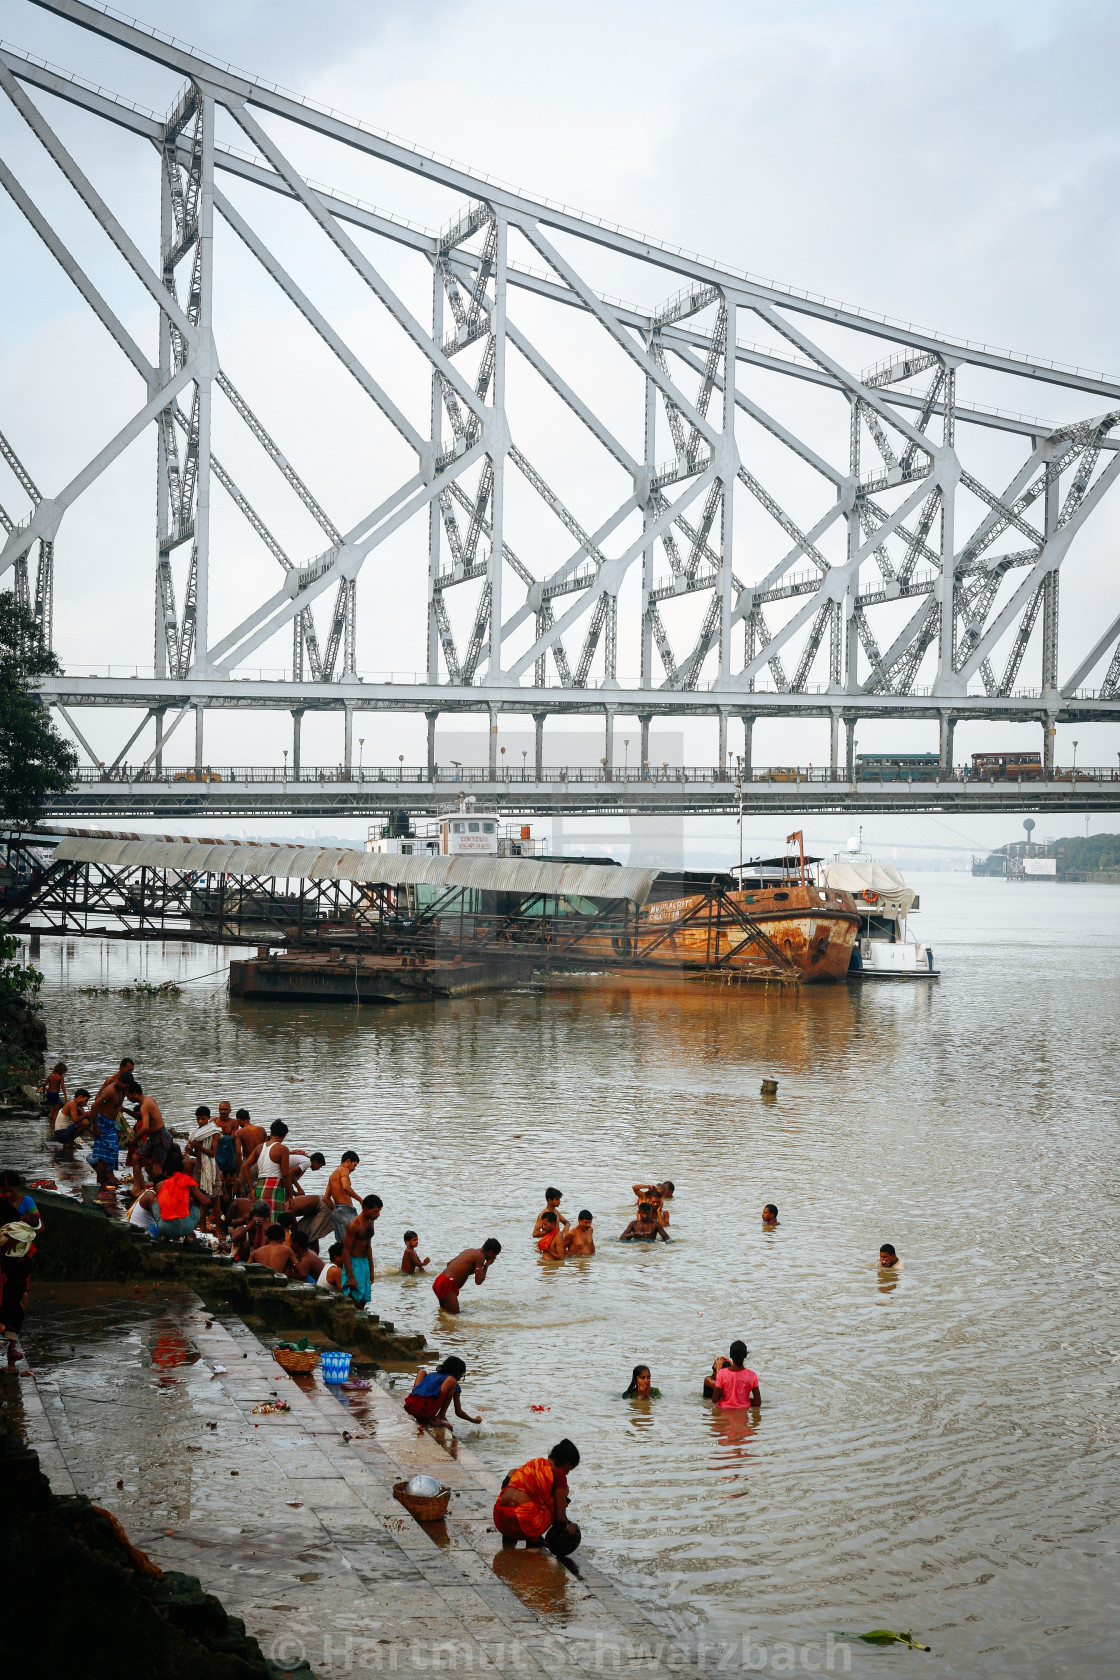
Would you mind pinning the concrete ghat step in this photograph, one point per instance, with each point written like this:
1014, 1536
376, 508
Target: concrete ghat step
290, 1520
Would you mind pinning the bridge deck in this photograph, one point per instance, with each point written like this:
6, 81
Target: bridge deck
332, 791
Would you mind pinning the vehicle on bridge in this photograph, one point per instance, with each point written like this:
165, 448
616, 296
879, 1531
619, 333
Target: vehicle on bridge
897, 767
1007, 767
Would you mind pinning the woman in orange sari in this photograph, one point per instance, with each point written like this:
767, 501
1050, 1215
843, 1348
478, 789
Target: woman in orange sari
533, 1503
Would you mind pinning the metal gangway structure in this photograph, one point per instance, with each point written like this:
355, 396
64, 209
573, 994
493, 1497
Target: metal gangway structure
761, 502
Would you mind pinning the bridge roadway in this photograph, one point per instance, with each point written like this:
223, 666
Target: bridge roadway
331, 791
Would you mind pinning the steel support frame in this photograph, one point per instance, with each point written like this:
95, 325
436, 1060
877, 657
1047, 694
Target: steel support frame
825, 658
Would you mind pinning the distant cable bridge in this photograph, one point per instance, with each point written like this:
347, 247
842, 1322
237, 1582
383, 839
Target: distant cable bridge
891, 578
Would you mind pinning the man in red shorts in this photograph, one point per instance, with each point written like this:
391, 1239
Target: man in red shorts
456, 1272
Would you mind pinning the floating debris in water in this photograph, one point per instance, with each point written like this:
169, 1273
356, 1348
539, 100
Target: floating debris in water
883, 1636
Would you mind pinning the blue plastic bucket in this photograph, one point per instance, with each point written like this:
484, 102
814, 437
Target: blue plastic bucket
335, 1366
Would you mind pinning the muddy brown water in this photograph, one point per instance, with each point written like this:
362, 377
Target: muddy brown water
934, 1451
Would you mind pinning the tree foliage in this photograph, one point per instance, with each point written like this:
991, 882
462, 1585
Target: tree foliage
35, 761
1085, 854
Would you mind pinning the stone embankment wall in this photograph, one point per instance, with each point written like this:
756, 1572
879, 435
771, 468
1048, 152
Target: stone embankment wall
105, 1610
82, 1244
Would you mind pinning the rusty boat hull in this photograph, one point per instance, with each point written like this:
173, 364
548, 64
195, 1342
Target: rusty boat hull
793, 928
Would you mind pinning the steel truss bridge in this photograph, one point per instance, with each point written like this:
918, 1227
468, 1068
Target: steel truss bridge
770, 504
333, 791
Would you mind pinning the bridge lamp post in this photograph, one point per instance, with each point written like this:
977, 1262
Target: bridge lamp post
285, 763
503, 764
1075, 761
361, 746
626, 759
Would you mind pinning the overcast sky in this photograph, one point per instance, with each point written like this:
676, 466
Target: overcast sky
956, 165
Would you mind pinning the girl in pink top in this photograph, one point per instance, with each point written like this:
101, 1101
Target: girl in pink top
732, 1385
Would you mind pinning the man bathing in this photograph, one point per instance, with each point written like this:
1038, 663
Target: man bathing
71, 1121
646, 1228
551, 1240
340, 1195
732, 1385
770, 1215
447, 1285
275, 1253
533, 1503
410, 1259
580, 1238
888, 1258
357, 1264
656, 1195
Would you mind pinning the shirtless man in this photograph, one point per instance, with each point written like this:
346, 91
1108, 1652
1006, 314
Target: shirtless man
308, 1266
551, 1240
105, 1155
153, 1140
357, 1261
274, 1253
656, 1195
646, 1228
340, 1195
580, 1239
447, 1285
551, 1205
251, 1139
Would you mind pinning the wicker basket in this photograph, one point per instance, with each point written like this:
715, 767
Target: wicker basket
423, 1509
299, 1364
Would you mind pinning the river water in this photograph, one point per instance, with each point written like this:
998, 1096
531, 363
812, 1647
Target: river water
936, 1451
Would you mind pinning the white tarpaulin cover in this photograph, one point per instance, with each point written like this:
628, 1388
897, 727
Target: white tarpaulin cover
860, 875
317, 863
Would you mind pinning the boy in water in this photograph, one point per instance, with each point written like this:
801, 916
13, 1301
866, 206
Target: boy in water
447, 1285
551, 1239
357, 1262
54, 1091
580, 1239
410, 1259
888, 1257
551, 1205
646, 1228
332, 1277
770, 1215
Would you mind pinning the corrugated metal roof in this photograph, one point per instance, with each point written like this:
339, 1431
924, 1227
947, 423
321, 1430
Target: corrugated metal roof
314, 863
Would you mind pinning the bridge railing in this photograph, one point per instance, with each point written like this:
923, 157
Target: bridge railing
455, 776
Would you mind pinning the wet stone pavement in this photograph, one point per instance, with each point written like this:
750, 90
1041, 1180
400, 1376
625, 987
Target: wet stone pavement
140, 1399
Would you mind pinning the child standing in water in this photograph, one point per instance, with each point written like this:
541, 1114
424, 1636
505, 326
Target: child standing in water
551, 1205
410, 1259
